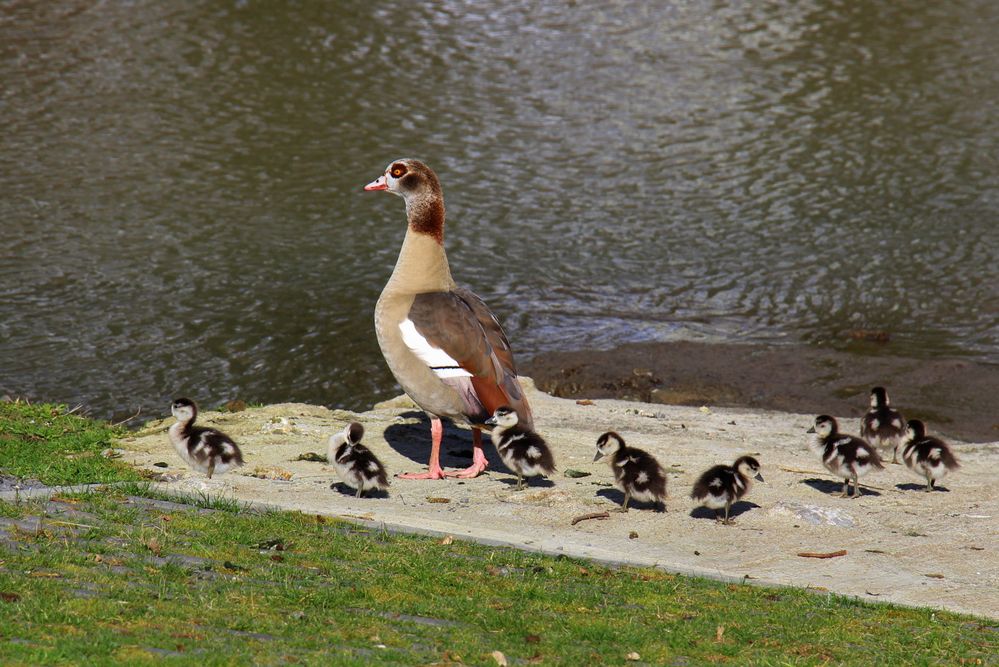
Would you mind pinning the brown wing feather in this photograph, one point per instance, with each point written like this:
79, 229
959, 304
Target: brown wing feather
460, 324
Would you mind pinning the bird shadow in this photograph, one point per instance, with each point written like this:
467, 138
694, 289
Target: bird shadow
346, 490
913, 486
617, 496
412, 440
541, 482
739, 507
835, 488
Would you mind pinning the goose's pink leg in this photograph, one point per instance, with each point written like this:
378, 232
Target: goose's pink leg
479, 462
435, 472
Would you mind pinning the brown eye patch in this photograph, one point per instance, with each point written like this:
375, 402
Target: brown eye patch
398, 170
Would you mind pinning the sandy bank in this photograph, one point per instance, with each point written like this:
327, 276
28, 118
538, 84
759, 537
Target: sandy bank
903, 545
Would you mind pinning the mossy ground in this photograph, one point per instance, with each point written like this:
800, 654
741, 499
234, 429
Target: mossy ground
47, 443
104, 578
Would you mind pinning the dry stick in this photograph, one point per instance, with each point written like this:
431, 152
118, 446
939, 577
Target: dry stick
814, 472
593, 515
125, 421
801, 472
832, 554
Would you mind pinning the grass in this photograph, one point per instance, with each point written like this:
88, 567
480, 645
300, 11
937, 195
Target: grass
47, 443
118, 576
108, 578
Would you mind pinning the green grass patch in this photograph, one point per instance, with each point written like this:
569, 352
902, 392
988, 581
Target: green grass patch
46, 443
104, 578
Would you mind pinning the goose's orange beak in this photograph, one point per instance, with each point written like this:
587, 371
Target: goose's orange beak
378, 184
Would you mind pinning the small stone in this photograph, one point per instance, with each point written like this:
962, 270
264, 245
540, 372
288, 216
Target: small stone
813, 514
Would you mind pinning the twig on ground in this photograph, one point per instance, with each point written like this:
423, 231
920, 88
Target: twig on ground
592, 515
800, 472
831, 554
125, 421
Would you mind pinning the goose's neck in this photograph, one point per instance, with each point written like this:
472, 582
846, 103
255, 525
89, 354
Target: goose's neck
422, 264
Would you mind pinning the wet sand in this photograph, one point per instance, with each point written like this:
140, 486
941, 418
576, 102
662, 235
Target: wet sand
955, 397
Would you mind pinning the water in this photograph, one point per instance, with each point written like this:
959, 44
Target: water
181, 204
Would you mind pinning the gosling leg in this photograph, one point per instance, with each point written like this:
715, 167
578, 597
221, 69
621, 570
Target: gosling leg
624, 506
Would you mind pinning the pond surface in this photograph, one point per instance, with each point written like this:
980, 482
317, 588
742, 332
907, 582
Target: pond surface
181, 204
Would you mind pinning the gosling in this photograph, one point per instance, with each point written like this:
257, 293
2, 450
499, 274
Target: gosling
926, 455
523, 451
722, 485
636, 472
355, 464
205, 450
843, 455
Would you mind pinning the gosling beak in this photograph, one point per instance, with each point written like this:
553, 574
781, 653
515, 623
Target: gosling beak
378, 184
598, 456
811, 430
490, 422
759, 478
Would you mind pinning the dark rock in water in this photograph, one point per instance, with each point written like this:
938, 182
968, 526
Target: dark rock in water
873, 336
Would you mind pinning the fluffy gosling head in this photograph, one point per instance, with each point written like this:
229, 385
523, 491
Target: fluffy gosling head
607, 444
503, 418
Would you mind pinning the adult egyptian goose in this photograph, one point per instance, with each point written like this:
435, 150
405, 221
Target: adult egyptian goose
442, 343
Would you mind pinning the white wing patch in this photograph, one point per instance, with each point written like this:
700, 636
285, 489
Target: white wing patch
440, 362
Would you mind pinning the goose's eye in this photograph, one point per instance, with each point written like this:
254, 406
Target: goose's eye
397, 171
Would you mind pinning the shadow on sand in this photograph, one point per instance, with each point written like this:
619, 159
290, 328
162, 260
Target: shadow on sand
835, 488
913, 486
738, 507
616, 496
529, 482
346, 490
413, 442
